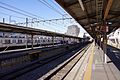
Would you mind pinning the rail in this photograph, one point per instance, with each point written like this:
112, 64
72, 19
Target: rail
30, 66
63, 69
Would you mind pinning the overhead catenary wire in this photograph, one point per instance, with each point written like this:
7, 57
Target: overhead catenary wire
53, 7
12, 15
49, 6
46, 25
57, 5
38, 21
35, 21
57, 19
26, 11
20, 11
16, 11
48, 20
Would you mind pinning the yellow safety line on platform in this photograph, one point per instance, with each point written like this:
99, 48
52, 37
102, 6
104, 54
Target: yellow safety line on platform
87, 75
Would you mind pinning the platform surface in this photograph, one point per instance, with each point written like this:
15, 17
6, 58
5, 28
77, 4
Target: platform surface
105, 71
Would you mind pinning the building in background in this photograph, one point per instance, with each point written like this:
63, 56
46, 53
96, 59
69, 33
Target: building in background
73, 30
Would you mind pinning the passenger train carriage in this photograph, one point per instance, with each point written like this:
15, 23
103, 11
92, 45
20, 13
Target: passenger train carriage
8, 39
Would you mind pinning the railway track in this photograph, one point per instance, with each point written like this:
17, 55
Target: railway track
28, 68
60, 72
11, 58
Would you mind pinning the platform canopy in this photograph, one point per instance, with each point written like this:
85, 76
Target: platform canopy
94, 15
4, 27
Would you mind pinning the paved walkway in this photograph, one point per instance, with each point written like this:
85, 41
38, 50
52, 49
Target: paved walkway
101, 70
93, 67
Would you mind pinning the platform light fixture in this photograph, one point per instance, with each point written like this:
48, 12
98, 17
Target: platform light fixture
109, 23
81, 4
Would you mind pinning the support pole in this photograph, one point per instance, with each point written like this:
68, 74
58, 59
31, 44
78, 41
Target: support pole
26, 40
105, 44
53, 40
26, 34
26, 22
40, 42
3, 20
32, 41
63, 40
9, 19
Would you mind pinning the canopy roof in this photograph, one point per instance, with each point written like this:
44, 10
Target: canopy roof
4, 27
93, 13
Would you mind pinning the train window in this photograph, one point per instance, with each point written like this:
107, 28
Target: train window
113, 40
13, 41
41, 37
56, 40
43, 40
7, 41
1, 35
48, 40
29, 41
35, 41
38, 41
12, 37
16, 36
0, 41
6, 36
21, 36
19, 41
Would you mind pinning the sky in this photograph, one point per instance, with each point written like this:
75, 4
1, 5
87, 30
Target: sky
39, 11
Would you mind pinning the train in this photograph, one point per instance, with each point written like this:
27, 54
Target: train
8, 39
114, 38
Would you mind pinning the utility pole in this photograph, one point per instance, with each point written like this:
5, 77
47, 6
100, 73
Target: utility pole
10, 19
26, 22
3, 20
26, 34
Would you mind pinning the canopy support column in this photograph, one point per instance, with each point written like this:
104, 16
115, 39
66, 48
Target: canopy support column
105, 43
32, 41
52, 40
26, 40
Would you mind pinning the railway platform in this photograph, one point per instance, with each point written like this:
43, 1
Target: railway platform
105, 71
94, 68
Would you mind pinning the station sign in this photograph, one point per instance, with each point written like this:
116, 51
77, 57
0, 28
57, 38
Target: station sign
105, 28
